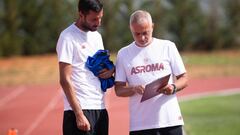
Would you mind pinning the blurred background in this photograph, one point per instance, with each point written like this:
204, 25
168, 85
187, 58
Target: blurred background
206, 32
32, 27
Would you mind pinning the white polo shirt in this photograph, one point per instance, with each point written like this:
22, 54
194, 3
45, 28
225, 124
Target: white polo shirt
142, 65
73, 47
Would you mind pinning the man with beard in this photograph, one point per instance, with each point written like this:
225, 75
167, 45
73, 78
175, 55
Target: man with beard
84, 107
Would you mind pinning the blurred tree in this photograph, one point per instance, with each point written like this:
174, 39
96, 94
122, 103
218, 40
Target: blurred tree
10, 35
183, 22
42, 21
211, 32
115, 23
231, 33
32, 27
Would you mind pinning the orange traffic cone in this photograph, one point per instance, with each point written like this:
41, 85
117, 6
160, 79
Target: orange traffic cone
12, 131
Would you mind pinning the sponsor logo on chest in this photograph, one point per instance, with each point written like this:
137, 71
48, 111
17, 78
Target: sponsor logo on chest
147, 68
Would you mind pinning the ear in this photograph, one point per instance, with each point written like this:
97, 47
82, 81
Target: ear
153, 25
130, 27
81, 15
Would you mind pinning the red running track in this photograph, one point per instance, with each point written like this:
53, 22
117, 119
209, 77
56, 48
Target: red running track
37, 110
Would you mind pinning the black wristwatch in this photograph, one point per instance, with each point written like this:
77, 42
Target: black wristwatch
174, 89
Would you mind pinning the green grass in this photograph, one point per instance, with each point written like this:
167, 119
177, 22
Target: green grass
218, 115
213, 58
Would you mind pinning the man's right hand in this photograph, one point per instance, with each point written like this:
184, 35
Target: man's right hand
82, 122
139, 89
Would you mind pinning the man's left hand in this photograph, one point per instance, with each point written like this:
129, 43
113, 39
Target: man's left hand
167, 90
106, 73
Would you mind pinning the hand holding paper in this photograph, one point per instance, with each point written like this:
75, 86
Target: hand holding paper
152, 89
139, 89
167, 90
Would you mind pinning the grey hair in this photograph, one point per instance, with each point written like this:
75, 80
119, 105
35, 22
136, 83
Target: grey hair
140, 16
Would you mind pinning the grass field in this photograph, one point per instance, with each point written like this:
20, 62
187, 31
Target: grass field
224, 63
44, 69
28, 70
219, 115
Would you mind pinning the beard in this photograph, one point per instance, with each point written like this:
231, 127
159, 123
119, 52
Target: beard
88, 27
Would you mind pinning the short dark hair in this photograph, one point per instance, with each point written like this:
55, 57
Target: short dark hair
85, 6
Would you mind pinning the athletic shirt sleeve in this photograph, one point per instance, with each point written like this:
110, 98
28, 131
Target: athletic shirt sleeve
100, 39
120, 74
177, 64
64, 50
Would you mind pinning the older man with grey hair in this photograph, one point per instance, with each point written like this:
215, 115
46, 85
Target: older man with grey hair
142, 62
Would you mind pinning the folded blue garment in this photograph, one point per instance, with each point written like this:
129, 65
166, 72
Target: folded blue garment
99, 61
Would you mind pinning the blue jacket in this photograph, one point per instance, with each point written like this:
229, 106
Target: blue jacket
99, 61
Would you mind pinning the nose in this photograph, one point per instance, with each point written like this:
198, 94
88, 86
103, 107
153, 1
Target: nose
142, 37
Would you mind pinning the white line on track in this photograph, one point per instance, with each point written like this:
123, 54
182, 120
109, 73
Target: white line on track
224, 92
43, 114
11, 96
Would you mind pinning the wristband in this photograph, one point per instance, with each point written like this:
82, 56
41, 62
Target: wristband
174, 88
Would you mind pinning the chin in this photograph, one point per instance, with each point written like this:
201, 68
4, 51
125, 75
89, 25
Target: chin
144, 44
93, 29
